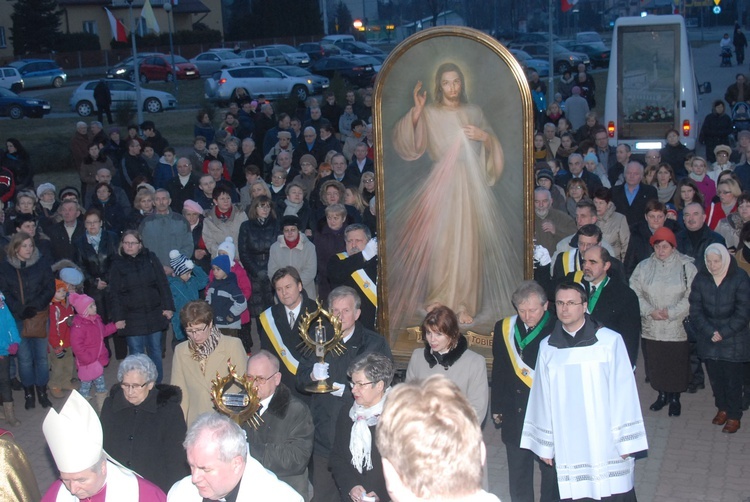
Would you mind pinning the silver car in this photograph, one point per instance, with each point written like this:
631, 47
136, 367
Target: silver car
272, 82
291, 54
123, 94
264, 56
215, 60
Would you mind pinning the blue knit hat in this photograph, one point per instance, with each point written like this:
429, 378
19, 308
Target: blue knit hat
222, 261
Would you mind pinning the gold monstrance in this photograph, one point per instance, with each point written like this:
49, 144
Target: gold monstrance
321, 344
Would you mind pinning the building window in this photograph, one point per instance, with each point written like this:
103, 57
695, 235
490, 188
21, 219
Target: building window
90, 27
2, 37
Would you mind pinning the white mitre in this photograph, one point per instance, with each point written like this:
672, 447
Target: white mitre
74, 435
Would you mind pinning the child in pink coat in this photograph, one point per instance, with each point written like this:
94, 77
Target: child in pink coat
87, 340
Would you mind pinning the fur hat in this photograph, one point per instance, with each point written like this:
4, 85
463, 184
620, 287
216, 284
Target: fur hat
180, 263
80, 302
222, 261
228, 247
719, 148
291, 220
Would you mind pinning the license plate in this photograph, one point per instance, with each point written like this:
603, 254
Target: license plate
46, 107
189, 73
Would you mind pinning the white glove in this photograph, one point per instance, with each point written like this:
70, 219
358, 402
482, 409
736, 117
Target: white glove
340, 392
541, 255
370, 250
320, 371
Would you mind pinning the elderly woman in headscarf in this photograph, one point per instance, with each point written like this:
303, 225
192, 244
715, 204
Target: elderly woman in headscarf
143, 424
719, 317
355, 461
195, 363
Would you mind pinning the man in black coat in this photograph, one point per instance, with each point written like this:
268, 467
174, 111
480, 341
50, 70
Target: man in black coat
358, 269
577, 170
611, 301
514, 349
103, 99
183, 186
311, 145
279, 324
283, 442
693, 242
64, 233
360, 162
631, 197
133, 168
343, 302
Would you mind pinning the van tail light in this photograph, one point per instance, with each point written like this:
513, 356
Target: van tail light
686, 128
222, 81
611, 129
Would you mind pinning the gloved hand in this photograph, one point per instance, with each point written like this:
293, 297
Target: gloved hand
370, 250
340, 392
320, 371
13, 349
28, 313
541, 256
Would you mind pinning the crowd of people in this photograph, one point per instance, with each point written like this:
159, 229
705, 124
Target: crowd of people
203, 249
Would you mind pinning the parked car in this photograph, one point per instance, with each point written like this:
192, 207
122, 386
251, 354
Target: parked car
587, 37
14, 106
529, 64
123, 94
363, 59
124, 69
272, 82
317, 50
350, 70
535, 37
563, 59
292, 55
215, 60
359, 48
159, 67
337, 39
40, 73
264, 56
10, 79
597, 52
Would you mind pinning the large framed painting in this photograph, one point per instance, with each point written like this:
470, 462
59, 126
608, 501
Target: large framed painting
453, 128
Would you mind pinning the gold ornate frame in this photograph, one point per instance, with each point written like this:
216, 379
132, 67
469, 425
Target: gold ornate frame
513, 86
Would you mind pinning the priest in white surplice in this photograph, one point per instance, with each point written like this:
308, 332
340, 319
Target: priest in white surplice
583, 412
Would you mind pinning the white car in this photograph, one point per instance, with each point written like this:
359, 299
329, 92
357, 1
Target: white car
272, 82
10, 79
292, 55
123, 93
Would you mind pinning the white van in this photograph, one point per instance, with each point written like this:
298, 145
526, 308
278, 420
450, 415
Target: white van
337, 39
11, 79
651, 85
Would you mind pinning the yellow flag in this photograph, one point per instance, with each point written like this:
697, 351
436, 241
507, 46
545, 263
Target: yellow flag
147, 13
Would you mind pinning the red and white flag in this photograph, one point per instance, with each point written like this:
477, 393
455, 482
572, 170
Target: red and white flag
568, 4
119, 33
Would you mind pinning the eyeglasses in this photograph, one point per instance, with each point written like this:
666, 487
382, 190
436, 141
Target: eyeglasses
369, 181
262, 380
279, 177
359, 385
132, 386
130, 243
196, 330
567, 304
724, 192
653, 156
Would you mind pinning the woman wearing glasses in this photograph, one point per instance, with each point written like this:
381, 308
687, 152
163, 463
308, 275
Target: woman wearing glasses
141, 297
662, 284
728, 191
355, 460
143, 424
196, 363
446, 352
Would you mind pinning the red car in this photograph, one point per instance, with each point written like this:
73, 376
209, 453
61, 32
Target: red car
160, 68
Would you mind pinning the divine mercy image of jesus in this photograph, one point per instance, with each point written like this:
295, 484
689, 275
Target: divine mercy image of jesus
452, 243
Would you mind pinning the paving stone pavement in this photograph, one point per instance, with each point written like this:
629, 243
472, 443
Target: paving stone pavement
689, 459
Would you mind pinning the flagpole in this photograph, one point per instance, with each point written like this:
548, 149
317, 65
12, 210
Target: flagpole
168, 8
550, 58
138, 105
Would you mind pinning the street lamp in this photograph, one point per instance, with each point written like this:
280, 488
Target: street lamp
138, 107
168, 9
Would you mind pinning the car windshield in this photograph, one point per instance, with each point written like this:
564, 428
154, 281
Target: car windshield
295, 71
5, 93
229, 55
521, 54
178, 59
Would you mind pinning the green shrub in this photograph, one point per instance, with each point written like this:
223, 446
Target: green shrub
125, 114
71, 42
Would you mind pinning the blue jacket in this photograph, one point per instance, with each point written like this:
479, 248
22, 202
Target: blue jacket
183, 293
227, 301
8, 329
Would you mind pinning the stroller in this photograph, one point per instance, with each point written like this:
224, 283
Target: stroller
726, 56
740, 117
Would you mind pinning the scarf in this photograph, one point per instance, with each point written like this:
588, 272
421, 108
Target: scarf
292, 244
665, 194
223, 216
292, 207
695, 177
201, 352
47, 205
360, 443
94, 240
721, 251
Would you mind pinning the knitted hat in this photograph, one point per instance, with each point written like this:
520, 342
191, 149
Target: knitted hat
545, 173
308, 158
719, 148
60, 285
663, 234
590, 157
222, 261
74, 435
70, 191
180, 263
113, 130
193, 206
71, 275
45, 187
290, 220
80, 302
228, 247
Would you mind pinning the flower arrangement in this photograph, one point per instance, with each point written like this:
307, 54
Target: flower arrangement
652, 113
